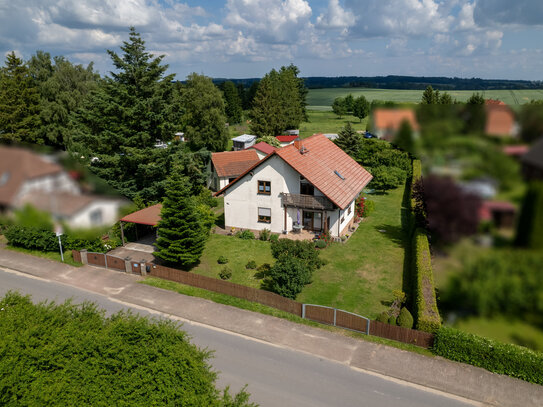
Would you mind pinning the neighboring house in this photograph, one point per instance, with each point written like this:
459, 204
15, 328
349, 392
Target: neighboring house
500, 120
28, 178
532, 162
515, 151
287, 139
331, 136
293, 132
387, 122
228, 165
500, 213
311, 184
262, 149
244, 141
180, 137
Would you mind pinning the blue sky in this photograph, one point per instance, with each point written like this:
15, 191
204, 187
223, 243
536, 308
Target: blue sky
247, 38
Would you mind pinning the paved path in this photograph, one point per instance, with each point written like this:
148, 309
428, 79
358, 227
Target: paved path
431, 372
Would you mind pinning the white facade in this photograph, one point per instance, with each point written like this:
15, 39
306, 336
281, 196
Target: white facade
59, 182
243, 203
99, 212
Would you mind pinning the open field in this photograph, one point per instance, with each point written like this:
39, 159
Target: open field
321, 99
328, 122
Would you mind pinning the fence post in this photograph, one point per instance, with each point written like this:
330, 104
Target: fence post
335, 309
84, 258
367, 326
105, 259
303, 311
127, 265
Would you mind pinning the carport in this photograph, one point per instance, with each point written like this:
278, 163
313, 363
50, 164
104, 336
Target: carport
148, 216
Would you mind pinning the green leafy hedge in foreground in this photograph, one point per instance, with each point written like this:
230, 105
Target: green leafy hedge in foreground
502, 358
71, 355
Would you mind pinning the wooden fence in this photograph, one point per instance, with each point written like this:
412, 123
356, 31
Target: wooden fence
318, 313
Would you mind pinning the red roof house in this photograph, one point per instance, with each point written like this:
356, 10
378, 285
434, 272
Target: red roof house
262, 149
387, 122
227, 165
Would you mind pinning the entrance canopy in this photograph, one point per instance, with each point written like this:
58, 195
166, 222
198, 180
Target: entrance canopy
148, 216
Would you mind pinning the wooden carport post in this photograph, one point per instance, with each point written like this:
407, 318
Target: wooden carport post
122, 231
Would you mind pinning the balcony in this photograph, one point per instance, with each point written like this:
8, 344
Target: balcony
319, 203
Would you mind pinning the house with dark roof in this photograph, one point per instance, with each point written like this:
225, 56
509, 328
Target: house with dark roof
310, 184
532, 162
228, 165
262, 149
28, 178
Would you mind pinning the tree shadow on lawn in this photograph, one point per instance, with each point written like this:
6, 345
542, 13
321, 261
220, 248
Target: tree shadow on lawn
394, 233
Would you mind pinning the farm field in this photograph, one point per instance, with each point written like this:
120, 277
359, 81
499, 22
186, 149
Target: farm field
328, 122
321, 99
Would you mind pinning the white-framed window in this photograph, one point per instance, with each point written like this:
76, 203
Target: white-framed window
264, 215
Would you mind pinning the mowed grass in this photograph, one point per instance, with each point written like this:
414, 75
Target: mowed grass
362, 273
328, 122
321, 99
238, 252
68, 259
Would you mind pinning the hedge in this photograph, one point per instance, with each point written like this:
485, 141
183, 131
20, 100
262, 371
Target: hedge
426, 312
502, 358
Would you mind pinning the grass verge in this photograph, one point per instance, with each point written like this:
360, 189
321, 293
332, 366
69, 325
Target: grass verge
262, 309
68, 259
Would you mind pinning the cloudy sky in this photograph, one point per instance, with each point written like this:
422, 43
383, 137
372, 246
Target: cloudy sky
246, 38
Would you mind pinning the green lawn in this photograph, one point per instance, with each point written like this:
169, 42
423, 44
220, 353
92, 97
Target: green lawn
361, 273
321, 99
328, 122
68, 259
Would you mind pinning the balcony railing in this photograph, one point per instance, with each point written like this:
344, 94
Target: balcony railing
307, 202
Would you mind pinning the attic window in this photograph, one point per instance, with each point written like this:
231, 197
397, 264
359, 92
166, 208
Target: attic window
4, 178
339, 175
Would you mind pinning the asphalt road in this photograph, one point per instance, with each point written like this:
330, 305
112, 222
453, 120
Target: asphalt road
275, 376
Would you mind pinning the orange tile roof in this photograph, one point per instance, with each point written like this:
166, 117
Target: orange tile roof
323, 164
18, 165
233, 163
500, 120
263, 147
286, 138
147, 216
393, 118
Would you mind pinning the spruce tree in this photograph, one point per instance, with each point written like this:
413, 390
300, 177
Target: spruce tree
19, 103
348, 140
121, 121
182, 235
530, 223
232, 102
204, 118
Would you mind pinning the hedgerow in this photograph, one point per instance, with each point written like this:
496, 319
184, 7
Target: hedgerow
426, 312
72, 355
502, 358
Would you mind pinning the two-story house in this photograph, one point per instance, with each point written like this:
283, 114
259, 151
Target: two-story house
311, 184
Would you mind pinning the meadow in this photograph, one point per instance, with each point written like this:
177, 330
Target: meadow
321, 99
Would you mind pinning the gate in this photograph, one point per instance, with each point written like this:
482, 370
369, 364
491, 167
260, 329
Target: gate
336, 317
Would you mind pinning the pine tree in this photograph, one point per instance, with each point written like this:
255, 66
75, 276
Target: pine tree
19, 103
122, 119
348, 140
182, 234
232, 102
204, 118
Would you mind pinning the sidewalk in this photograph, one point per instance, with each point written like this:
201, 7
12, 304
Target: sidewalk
433, 372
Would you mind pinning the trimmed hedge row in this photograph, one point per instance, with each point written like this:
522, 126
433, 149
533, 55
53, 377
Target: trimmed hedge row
426, 312
47, 241
502, 358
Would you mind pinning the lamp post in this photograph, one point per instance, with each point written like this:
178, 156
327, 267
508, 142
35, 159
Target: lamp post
58, 232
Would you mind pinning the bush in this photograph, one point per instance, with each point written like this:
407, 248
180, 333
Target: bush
222, 260
369, 207
288, 276
392, 320
501, 358
264, 269
383, 317
74, 355
251, 265
245, 234
225, 273
274, 237
427, 314
405, 318
320, 244
303, 250
264, 234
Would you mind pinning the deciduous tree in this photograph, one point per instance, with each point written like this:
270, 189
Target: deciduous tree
361, 107
339, 107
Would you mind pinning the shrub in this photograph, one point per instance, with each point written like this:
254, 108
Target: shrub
369, 207
304, 250
405, 318
264, 234
383, 317
225, 273
222, 260
496, 357
274, 237
251, 265
320, 244
33, 238
392, 320
427, 314
245, 234
263, 270
288, 276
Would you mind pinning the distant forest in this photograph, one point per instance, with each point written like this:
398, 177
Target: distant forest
404, 82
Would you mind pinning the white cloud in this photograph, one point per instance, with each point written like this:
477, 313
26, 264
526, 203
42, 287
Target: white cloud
492, 13
335, 17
